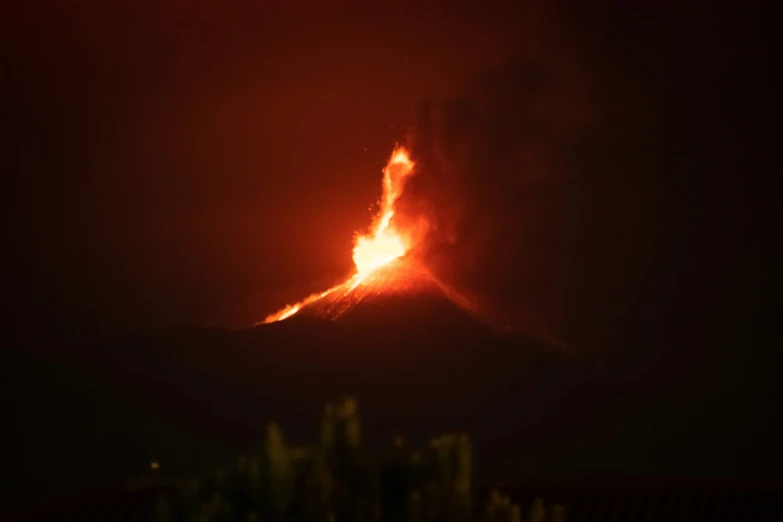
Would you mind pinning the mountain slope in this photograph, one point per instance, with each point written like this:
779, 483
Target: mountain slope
402, 294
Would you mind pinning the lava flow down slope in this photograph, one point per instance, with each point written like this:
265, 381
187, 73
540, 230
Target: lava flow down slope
391, 292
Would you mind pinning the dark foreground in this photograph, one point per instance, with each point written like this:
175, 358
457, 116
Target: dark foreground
587, 501
195, 399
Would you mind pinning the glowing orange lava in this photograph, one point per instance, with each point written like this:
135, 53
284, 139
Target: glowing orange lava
383, 245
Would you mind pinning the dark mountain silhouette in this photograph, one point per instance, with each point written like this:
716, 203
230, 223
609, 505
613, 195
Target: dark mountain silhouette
418, 362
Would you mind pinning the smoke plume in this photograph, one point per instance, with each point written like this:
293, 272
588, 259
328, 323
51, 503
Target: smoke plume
544, 186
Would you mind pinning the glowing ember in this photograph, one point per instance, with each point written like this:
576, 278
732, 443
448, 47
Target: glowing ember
383, 245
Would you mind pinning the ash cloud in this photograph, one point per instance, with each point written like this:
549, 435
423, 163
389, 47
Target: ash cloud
561, 185
509, 185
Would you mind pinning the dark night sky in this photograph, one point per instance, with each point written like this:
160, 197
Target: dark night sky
183, 166
199, 166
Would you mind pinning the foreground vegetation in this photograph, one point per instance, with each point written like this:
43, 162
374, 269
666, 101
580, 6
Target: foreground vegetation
335, 482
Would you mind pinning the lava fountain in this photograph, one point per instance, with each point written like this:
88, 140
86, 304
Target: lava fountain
381, 246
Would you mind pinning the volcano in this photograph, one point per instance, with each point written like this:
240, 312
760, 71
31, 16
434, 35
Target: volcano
420, 357
383, 245
387, 278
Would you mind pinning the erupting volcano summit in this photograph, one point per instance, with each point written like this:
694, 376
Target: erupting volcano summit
382, 266
379, 248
